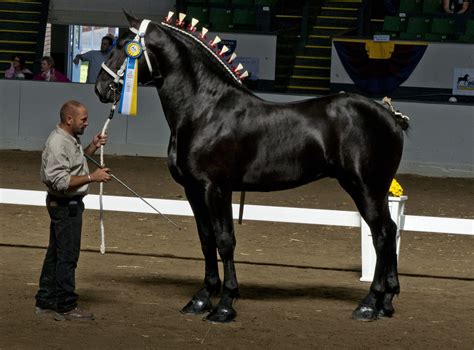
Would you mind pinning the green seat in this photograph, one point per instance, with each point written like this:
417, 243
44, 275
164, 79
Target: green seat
394, 24
270, 3
218, 2
442, 26
244, 19
417, 27
243, 2
469, 27
431, 6
441, 29
410, 6
199, 13
220, 19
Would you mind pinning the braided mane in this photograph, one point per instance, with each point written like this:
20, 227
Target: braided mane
211, 49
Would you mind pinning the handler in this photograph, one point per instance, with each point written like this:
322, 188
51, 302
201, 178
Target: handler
65, 172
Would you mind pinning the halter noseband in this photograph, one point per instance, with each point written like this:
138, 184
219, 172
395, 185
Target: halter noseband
140, 36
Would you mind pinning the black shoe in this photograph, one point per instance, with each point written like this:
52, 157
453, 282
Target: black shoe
43, 310
75, 314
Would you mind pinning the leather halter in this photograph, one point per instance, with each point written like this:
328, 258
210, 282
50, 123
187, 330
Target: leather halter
140, 36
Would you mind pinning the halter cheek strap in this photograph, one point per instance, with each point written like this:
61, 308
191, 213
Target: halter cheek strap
140, 36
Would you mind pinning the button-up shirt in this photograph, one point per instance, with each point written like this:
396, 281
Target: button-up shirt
62, 158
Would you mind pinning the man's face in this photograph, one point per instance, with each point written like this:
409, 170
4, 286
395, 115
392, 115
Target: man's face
79, 121
105, 46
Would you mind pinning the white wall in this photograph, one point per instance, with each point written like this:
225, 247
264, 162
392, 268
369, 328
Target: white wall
106, 13
440, 141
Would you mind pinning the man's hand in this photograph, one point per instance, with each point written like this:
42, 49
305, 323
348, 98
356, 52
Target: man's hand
76, 59
100, 175
99, 140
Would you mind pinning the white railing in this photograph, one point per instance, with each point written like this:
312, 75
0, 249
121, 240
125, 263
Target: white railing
275, 214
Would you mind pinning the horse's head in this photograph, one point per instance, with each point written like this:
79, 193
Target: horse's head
110, 79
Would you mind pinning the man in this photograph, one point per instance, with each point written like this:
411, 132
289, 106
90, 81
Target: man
95, 59
65, 172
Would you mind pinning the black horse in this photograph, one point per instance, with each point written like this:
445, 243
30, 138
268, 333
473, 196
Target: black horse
225, 139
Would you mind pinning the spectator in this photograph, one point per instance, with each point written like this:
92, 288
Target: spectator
456, 6
95, 58
17, 69
48, 72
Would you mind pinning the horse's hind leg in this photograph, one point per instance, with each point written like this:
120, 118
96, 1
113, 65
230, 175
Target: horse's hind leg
373, 206
219, 203
201, 301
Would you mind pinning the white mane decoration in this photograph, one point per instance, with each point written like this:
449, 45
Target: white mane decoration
232, 71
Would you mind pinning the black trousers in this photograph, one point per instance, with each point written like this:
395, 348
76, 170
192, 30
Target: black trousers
57, 282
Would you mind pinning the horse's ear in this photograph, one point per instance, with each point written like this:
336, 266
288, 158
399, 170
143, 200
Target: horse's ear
134, 22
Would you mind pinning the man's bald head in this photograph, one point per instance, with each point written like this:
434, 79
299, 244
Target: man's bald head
71, 108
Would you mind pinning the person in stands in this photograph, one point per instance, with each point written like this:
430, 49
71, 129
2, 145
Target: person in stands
48, 72
17, 69
95, 58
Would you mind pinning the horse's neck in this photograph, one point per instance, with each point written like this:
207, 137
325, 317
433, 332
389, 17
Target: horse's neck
189, 83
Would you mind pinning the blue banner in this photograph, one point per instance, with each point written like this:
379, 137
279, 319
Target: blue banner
379, 68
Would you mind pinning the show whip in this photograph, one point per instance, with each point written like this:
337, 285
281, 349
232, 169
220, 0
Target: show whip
133, 192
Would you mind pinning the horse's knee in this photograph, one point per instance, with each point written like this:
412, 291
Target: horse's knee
225, 244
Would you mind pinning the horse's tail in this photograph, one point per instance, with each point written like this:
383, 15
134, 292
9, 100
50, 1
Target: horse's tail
400, 118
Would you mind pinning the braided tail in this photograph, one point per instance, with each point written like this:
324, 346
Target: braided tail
400, 118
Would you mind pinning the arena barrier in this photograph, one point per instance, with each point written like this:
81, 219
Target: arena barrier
271, 213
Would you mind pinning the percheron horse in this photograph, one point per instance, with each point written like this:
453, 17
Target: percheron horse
225, 139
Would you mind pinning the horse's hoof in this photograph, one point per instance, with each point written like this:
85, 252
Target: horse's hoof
364, 313
221, 314
197, 306
385, 312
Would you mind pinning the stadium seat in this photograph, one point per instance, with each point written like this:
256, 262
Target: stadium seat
410, 6
417, 27
468, 36
431, 6
199, 13
269, 3
220, 19
243, 2
394, 24
442, 26
244, 19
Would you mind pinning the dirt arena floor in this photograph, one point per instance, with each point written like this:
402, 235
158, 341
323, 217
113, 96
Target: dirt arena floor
299, 283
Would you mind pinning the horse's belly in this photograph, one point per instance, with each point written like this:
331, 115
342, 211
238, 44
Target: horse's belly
282, 176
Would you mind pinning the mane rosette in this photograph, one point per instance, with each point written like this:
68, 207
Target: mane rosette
236, 72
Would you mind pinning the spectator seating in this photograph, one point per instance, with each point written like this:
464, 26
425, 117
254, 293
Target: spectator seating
431, 6
468, 36
410, 6
417, 27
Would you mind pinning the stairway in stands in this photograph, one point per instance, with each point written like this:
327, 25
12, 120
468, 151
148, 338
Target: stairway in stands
22, 31
311, 60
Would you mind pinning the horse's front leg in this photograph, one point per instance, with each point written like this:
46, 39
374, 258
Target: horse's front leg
220, 207
201, 301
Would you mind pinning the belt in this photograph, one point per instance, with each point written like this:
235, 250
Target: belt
64, 200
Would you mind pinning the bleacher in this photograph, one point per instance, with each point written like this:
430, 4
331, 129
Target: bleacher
232, 15
426, 20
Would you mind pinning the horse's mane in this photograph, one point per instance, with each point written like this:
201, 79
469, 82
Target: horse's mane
201, 42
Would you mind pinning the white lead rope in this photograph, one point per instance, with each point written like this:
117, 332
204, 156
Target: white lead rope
101, 184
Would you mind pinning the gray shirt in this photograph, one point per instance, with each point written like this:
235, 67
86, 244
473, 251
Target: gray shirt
62, 158
95, 59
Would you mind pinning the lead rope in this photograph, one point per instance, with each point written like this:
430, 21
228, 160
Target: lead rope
101, 184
